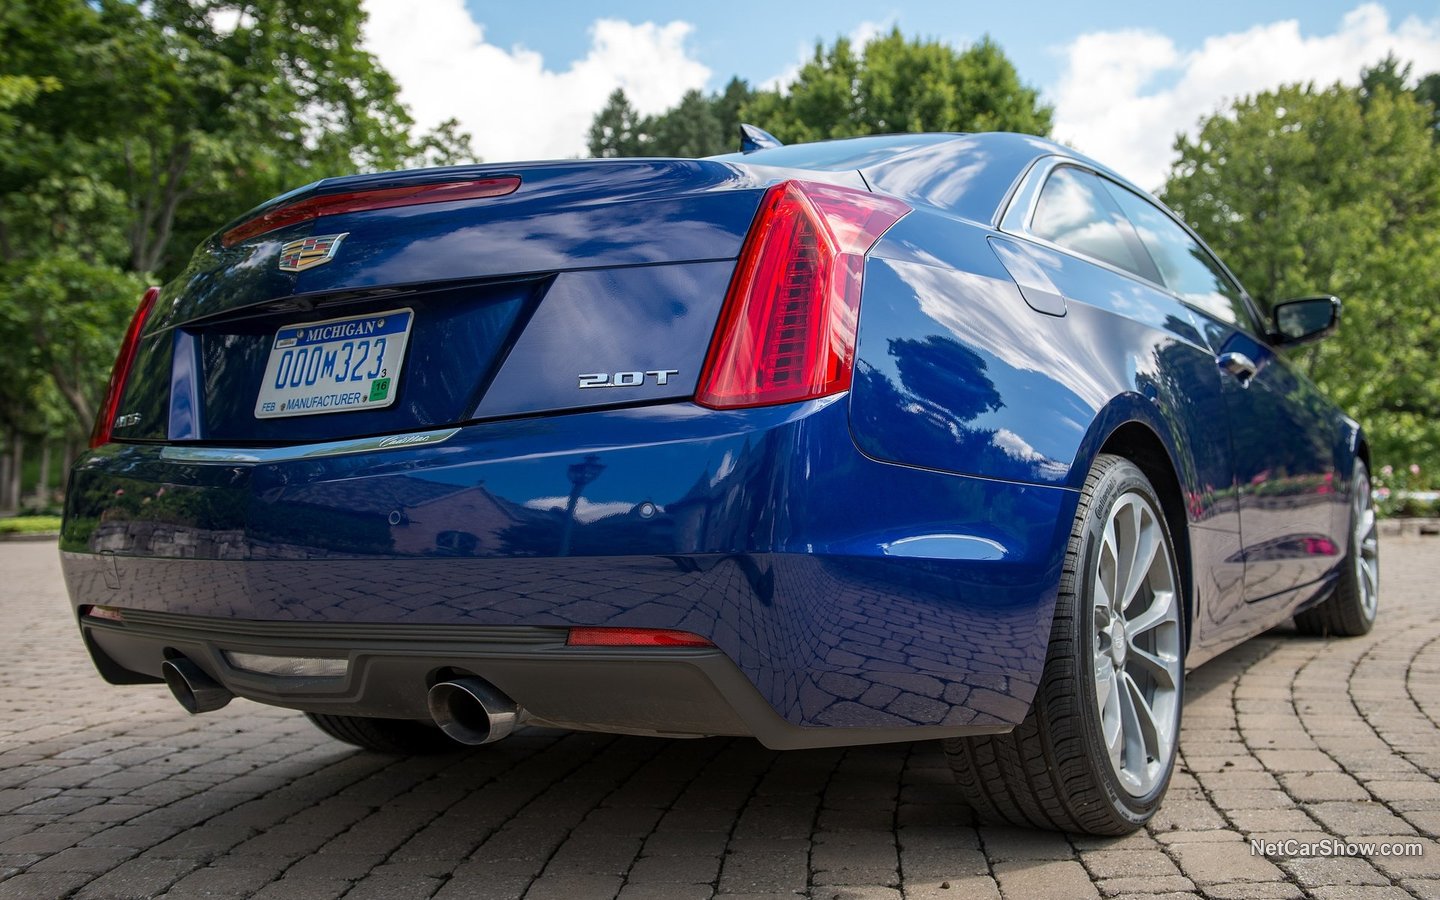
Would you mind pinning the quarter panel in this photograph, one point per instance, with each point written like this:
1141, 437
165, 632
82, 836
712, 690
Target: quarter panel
955, 371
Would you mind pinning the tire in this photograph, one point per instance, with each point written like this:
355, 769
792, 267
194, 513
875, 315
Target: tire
1056, 769
403, 737
1350, 610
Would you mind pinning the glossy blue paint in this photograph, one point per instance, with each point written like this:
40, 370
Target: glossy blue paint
906, 535
758, 544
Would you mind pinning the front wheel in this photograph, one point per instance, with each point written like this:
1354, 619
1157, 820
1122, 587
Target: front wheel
1096, 751
1350, 611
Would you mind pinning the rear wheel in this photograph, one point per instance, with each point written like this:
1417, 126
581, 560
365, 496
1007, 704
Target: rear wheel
396, 736
1097, 749
1351, 609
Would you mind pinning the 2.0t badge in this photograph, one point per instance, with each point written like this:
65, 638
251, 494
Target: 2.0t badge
307, 253
626, 379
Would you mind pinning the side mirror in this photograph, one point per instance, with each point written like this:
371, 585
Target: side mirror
1305, 320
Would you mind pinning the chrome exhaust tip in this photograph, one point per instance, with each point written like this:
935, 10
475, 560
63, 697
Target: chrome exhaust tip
194, 690
473, 712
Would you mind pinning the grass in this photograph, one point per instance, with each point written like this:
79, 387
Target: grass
30, 525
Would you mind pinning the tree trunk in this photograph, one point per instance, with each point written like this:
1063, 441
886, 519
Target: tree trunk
67, 459
17, 466
7, 506
42, 489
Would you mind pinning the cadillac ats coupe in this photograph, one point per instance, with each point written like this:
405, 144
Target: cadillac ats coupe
894, 438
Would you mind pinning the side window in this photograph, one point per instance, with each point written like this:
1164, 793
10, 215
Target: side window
1076, 212
1186, 267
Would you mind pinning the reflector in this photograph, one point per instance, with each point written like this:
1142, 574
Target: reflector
634, 637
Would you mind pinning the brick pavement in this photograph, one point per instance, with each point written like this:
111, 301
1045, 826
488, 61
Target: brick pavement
116, 793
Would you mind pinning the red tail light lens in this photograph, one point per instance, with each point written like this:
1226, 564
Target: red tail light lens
105, 419
359, 201
634, 637
787, 330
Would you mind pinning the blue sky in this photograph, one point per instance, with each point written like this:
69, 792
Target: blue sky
1124, 77
759, 40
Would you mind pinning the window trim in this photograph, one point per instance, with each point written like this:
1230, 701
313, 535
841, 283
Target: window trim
1018, 211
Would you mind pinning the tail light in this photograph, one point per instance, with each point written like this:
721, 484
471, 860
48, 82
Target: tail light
360, 201
634, 637
787, 330
105, 420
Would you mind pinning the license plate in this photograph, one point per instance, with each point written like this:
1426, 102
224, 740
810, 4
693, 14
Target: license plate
338, 365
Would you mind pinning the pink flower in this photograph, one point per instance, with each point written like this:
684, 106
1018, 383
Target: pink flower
1414, 469
1387, 470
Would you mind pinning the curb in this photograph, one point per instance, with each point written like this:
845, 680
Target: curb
1409, 527
37, 536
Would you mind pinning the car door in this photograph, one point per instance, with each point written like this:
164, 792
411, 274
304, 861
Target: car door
1281, 428
1074, 211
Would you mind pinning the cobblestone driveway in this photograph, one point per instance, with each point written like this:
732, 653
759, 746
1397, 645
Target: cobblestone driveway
115, 792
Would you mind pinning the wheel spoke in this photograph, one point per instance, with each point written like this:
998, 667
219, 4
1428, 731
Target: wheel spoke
1160, 669
1148, 730
1113, 732
1127, 534
1133, 761
1160, 611
1107, 578
1146, 545
1104, 686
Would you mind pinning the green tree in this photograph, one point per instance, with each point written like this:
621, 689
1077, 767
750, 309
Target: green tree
130, 131
1337, 190
699, 125
617, 129
691, 129
899, 84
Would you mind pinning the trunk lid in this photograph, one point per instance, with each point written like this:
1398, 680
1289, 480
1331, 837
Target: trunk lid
613, 268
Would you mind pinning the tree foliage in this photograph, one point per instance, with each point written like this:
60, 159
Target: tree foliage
899, 84
1337, 190
892, 84
699, 125
129, 131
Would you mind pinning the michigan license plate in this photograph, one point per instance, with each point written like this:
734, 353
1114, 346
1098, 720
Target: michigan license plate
339, 365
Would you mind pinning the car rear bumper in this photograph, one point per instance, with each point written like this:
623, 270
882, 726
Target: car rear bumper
849, 600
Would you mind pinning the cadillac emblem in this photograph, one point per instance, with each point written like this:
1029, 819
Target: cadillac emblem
307, 253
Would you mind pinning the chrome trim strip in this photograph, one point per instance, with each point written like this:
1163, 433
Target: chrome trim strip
228, 455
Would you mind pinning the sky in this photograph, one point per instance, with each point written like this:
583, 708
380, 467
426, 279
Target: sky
525, 79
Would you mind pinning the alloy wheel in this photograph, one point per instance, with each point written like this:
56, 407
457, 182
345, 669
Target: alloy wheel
1136, 644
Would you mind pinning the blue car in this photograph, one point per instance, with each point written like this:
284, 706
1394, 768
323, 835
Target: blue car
894, 438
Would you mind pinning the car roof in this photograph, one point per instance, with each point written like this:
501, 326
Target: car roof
969, 174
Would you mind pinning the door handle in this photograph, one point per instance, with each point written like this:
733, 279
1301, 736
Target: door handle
1239, 365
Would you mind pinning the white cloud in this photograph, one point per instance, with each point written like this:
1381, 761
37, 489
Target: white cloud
511, 103
859, 36
1124, 95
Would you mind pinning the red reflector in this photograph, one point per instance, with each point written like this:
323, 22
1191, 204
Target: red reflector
787, 330
634, 637
359, 201
105, 418
109, 613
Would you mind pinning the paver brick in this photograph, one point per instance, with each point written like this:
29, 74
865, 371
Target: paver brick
127, 796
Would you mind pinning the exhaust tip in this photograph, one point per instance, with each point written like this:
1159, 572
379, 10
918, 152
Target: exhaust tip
193, 689
472, 712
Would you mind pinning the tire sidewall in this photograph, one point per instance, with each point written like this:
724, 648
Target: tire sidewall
1121, 478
